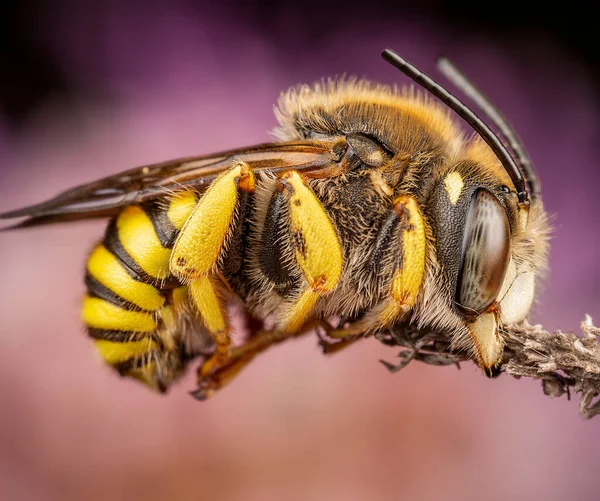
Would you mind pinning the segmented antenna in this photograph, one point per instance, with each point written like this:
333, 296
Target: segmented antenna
462, 82
466, 114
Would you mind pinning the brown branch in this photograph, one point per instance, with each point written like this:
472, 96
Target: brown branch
564, 362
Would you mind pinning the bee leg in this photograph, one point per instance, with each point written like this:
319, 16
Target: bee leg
316, 248
239, 357
197, 250
330, 347
319, 255
406, 280
208, 386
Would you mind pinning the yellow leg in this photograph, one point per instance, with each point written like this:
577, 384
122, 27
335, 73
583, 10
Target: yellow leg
316, 248
318, 253
406, 281
198, 247
203, 235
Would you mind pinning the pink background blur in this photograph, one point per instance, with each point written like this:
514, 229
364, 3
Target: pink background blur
168, 82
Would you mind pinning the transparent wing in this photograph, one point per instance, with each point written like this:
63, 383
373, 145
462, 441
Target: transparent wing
104, 197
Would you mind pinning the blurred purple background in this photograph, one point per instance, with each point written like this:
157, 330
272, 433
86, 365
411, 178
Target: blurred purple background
90, 89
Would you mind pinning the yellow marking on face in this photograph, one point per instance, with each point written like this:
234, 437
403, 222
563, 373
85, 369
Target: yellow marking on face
139, 239
516, 302
180, 207
407, 280
201, 239
300, 311
114, 352
108, 270
100, 314
317, 247
207, 301
453, 183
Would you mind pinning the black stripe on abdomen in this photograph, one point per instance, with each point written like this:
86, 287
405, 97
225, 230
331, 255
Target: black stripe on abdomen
97, 289
117, 336
113, 244
163, 227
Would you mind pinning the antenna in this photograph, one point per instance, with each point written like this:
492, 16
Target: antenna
466, 114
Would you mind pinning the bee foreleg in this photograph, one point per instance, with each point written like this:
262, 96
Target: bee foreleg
316, 248
197, 250
406, 280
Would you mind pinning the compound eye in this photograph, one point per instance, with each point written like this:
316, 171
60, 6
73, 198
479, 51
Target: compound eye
485, 253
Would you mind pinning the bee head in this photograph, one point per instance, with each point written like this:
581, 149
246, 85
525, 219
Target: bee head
489, 249
491, 240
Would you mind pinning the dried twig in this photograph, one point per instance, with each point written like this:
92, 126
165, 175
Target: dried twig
564, 362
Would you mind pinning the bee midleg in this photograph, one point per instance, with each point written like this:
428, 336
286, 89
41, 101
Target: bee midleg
316, 248
407, 277
196, 253
126, 310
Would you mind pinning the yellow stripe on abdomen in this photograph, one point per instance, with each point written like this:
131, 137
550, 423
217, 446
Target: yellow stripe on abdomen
108, 270
115, 353
133, 303
137, 236
100, 314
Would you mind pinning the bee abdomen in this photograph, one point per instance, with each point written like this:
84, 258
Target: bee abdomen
111, 279
121, 335
130, 288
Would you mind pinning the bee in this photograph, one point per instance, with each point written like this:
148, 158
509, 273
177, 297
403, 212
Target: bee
372, 209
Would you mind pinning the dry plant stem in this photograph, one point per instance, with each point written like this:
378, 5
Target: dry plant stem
564, 362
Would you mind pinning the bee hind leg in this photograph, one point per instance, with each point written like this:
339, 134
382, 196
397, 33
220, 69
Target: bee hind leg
239, 357
198, 248
318, 253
